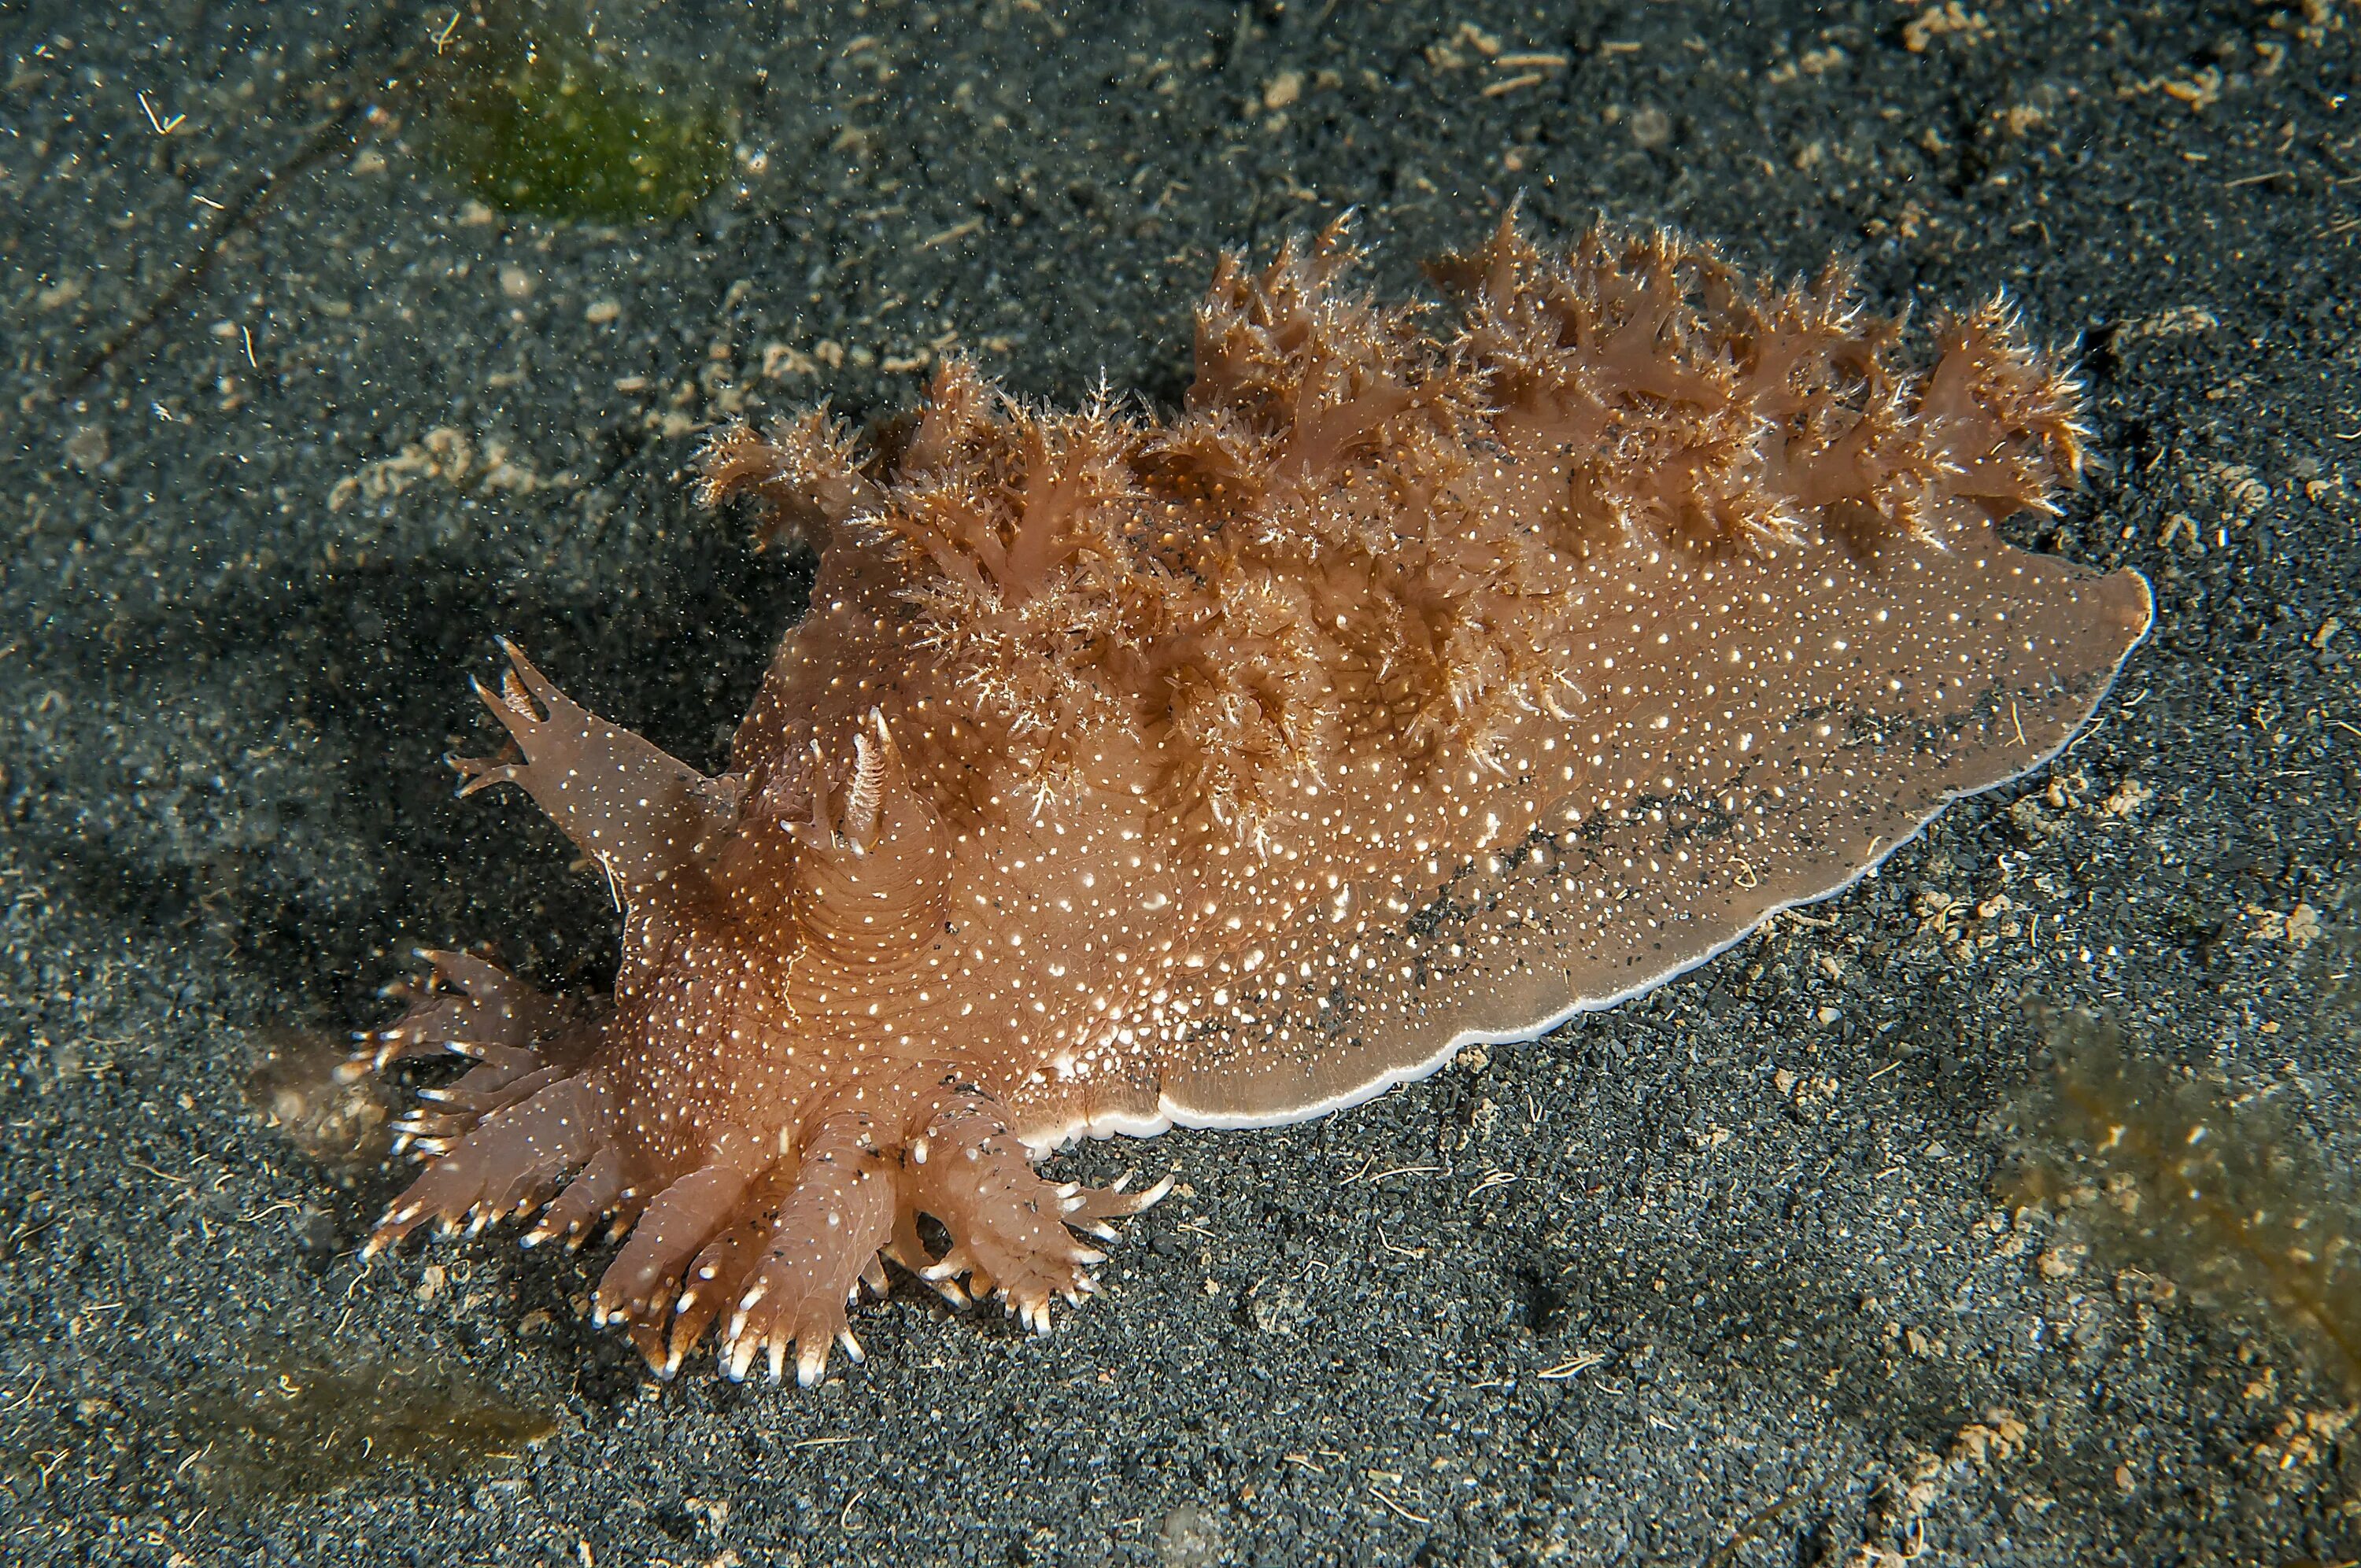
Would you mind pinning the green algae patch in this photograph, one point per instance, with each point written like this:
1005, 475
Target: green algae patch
299, 1424
2162, 1172
544, 119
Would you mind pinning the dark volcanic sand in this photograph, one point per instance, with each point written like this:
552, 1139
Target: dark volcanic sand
1752, 1297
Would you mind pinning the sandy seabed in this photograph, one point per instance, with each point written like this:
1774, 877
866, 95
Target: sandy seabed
298, 420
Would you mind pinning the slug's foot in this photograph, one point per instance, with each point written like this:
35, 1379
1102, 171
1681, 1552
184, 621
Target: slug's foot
861, 1182
500, 1139
506, 1164
640, 1285
471, 1007
1011, 1228
823, 1243
771, 1246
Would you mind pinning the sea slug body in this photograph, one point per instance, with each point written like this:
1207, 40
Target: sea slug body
1224, 769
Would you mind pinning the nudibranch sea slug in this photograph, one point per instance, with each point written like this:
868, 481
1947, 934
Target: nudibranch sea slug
1400, 690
